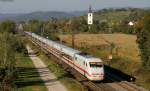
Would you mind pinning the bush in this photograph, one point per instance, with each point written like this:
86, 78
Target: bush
143, 38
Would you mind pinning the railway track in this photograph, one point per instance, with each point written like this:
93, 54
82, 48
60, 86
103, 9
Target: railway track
126, 85
94, 86
91, 85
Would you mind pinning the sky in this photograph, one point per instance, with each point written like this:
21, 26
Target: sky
26, 6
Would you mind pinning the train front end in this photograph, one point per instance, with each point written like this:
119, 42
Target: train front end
96, 70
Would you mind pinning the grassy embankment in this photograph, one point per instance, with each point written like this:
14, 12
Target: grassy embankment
64, 77
125, 52
28, 78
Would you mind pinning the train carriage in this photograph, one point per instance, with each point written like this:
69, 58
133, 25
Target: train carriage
87, 65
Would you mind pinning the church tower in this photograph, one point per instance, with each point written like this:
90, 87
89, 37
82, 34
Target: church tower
90, 16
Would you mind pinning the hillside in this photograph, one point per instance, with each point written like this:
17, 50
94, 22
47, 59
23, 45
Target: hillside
116, 16
112, 16
39, 15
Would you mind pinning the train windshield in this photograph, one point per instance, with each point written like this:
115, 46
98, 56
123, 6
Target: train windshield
96, 64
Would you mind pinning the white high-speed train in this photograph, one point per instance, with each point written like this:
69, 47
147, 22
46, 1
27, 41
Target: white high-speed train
87, 65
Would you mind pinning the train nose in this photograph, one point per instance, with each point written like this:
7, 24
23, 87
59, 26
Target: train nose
96, 78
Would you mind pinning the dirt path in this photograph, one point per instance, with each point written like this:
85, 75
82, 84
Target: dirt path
49, 79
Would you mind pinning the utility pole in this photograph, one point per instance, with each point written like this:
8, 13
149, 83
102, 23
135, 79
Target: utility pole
73, 38
61, 39
5, 51
42, 30
72, 34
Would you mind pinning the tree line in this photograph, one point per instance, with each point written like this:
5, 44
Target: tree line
143, 39
10, 45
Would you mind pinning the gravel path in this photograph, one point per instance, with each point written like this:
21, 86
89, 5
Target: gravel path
49, 79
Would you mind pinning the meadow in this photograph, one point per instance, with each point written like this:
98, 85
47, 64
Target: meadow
124, 45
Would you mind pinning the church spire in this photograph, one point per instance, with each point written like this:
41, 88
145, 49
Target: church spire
90, 16
90, 9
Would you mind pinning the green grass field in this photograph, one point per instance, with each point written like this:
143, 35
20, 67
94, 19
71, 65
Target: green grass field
28, 78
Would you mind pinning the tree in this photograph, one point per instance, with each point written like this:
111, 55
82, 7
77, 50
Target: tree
7, 59
8, 26
143, 38
9, 46
103, 27
33, 26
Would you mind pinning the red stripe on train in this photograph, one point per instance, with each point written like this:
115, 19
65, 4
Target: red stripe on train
78, 67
